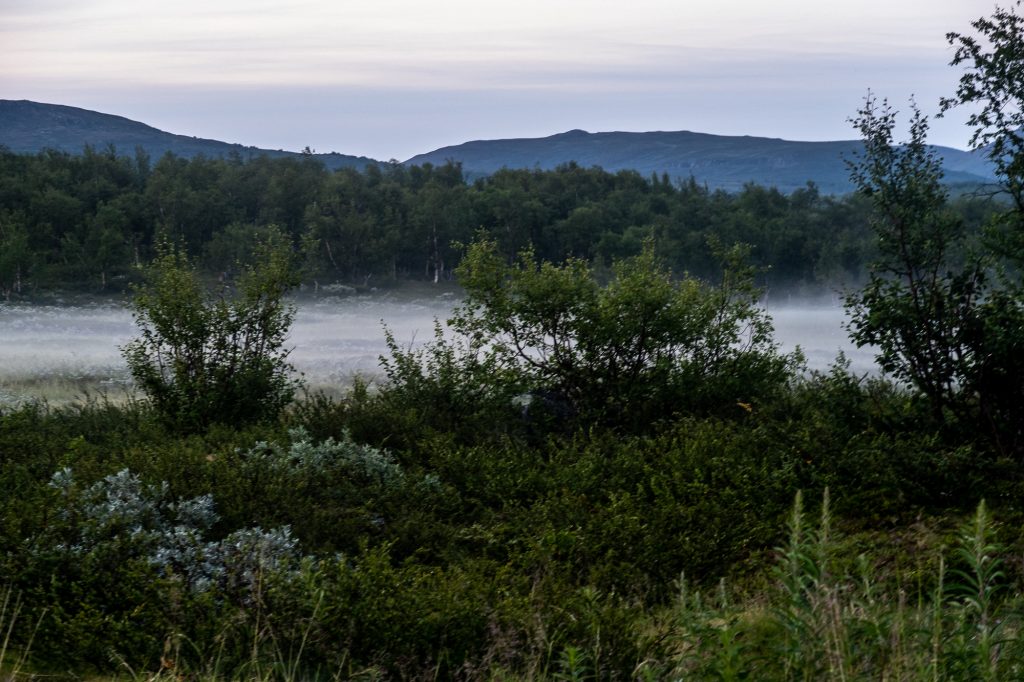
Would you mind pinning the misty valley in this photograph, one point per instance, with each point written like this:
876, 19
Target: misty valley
308, 418
60, 352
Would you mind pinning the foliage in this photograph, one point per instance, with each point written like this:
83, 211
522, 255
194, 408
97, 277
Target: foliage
451, 386
991, 86
915, 308
91, 220
627, 352
120, 513
121, 548
204, 360
332, 493
940, 320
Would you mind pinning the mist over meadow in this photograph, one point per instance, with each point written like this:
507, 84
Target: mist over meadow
62, 351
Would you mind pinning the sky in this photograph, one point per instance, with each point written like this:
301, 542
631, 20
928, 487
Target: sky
390, 79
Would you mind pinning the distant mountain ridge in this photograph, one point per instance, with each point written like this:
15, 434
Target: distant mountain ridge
29, 127
719, 161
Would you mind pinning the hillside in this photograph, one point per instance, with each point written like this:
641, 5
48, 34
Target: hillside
29, 127
722, 162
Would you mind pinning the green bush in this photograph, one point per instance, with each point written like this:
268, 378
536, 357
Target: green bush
542, 349
333, 494
453, 387
203, 360
944, 312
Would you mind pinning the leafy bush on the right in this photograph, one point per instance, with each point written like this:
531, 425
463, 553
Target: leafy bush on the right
639, 349
944, 312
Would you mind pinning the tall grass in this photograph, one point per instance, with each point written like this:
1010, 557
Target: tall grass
820, 616
818, 623
10, 610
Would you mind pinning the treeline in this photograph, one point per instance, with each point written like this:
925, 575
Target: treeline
90, 221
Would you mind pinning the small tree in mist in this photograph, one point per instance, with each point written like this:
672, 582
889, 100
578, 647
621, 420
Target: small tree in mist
203, 359
916, 306
943, 319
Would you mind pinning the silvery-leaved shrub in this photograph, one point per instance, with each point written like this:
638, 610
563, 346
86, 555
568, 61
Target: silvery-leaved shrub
246, 554
332, 493
120, 515
372, 469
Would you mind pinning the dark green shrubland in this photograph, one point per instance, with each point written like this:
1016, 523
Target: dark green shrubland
502, 556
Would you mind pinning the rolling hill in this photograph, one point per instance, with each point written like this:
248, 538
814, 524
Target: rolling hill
722, 162
29, 127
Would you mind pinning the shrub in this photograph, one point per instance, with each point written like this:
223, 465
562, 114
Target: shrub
945, 318
205, 359
332, 493
120, 559
450, 387
624, 354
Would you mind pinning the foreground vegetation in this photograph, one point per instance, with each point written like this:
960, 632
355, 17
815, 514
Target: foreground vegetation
605, 471
353, 539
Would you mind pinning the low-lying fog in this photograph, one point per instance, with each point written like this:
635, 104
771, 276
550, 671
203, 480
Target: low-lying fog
46, 347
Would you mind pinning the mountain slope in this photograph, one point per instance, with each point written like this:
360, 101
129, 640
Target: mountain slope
722, 162
29, 127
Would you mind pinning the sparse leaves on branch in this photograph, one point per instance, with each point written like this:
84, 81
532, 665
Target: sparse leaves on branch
992, 87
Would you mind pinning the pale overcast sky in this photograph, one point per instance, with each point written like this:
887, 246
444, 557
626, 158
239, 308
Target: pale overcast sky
394, 78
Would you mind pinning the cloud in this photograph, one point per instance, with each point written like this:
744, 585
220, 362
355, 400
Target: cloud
403, 42
398, 77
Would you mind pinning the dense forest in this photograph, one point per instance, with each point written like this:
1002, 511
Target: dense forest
603, 468
90, 221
